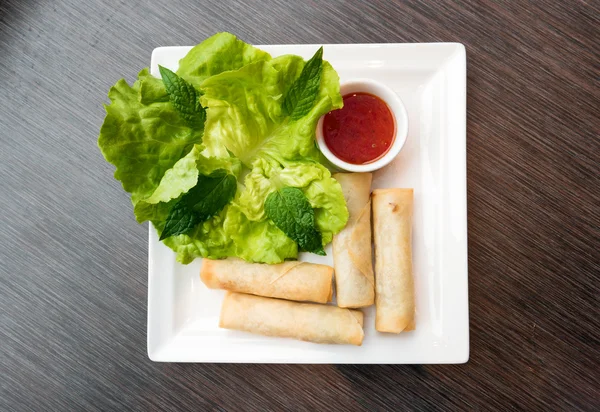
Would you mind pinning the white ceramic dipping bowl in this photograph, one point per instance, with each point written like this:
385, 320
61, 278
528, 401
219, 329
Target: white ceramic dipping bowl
400, 125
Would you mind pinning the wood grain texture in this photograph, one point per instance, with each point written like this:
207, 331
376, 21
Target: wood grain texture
73, 260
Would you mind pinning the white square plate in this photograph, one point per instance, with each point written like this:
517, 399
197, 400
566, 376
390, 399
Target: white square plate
183, 315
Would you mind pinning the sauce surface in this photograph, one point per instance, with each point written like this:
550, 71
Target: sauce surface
360, 132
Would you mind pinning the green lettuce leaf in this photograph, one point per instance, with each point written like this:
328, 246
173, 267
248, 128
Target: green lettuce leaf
210, 195
143, 135
179, 180
217, 54
208, 239
246, 116
231, 233
323, 192
257, 241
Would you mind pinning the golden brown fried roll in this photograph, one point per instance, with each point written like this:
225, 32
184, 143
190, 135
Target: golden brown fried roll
289, 280
354, 279
304, 321
394, 284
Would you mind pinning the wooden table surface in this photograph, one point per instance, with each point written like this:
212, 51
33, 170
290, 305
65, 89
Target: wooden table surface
74, 262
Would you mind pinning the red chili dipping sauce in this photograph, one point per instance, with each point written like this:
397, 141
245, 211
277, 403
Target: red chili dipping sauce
360, 132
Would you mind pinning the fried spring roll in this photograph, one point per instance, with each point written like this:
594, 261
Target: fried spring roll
394, 284
304, 321
354, 278
289, 280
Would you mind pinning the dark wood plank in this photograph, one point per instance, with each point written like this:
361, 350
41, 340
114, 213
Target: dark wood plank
73, 261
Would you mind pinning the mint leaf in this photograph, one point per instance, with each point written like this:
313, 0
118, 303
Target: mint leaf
180, 220
305, 89
202, 202
184, 98
291, 212
211, 194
